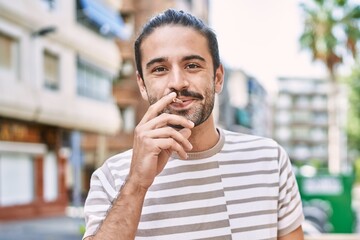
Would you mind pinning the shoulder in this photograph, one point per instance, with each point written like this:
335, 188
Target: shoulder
249, 140
114, 170
253, 147
118, 161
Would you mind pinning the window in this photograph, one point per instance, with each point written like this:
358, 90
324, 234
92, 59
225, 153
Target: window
320, 118
51, 71
318, 134
319, 102
320, 150
282, 117
301, 152
283, 133
93, 82
129, 22
300, 133
302, 102
49, 4
101, 18
243, 117
9, 57
127, 68
299, 116
50, 177
16, 179
284, 101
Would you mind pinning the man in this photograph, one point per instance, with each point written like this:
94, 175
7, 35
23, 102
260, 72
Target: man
185, 178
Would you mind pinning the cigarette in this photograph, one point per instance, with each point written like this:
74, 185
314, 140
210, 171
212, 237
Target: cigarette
176, 100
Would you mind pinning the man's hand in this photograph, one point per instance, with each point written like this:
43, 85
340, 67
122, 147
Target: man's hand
155, 140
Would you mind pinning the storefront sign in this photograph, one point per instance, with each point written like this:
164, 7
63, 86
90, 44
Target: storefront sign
325, 185
18, 132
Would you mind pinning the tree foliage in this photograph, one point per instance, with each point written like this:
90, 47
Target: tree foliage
331, 30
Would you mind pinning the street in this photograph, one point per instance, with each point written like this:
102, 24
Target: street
53, 228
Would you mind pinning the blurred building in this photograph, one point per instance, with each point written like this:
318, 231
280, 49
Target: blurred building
57, 63
130, 103
301, 119
244, 105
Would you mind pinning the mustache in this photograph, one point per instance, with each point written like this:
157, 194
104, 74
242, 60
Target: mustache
187, 93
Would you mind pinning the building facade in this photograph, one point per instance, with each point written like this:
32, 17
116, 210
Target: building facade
57, 63
244, 104
301, 119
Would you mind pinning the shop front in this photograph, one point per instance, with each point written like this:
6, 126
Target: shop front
32, 170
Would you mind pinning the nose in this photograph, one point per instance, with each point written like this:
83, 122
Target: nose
177, 80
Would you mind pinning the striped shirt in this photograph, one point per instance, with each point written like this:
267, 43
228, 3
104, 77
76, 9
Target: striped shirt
242, 188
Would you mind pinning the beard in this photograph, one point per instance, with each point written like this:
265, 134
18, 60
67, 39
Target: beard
198, 113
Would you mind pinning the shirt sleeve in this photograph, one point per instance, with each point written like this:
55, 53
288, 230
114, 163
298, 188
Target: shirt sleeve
99, 200
290, 213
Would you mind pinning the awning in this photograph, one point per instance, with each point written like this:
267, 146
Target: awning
108, 20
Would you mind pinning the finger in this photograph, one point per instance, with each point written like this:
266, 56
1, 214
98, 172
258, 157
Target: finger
170, 145
157, 107
179, 136
185, 132
166, 119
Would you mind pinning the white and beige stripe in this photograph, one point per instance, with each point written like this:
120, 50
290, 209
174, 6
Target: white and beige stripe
242, 188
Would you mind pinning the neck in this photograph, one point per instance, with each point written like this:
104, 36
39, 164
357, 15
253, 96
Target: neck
204, 136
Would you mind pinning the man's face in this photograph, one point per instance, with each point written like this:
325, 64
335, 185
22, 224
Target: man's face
177, 58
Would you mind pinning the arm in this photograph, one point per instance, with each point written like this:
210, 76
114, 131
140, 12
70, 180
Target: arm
124, 215
297, 234
154, 142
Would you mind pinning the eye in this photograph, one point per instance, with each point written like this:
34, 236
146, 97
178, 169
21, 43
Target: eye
159, 69
192, 66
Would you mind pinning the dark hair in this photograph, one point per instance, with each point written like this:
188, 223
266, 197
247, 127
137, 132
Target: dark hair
176, 17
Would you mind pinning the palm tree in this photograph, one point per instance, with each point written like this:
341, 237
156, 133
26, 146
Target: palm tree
331, 32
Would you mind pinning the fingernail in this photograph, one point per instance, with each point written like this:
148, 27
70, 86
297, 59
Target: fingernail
176, 100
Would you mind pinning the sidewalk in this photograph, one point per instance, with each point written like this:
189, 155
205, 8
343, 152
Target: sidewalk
53, 228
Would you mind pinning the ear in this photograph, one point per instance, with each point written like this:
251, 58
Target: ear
219, 78
142, 87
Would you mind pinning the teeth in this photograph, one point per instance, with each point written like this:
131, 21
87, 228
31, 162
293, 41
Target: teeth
176, 100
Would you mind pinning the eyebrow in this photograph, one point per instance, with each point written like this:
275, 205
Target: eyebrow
192, 57
163, 59
155, 60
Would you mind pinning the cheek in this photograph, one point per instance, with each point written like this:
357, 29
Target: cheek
151, 89
154, 94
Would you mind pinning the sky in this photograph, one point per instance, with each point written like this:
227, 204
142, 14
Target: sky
261, 37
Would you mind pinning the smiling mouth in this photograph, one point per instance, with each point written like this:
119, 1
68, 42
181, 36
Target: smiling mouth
180, 107
182, 104
177, 100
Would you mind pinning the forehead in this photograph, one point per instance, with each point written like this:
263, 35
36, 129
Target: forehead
174, 41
